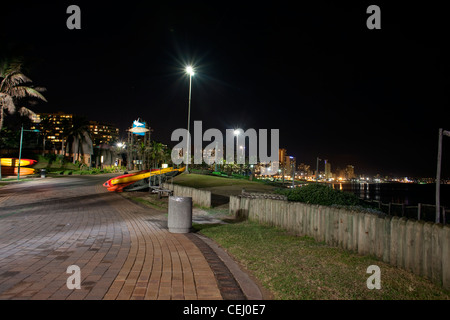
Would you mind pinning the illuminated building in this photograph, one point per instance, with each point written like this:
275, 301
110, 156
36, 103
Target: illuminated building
289, 162
328, 174
52, 125
103, 133
281, 157
350, 172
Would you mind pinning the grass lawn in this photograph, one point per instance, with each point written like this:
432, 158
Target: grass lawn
221, 185
300, 268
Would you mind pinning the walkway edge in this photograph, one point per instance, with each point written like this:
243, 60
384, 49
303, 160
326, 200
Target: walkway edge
248, 286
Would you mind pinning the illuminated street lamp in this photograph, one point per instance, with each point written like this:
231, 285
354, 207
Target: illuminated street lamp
20, 149
190, 72
240, 153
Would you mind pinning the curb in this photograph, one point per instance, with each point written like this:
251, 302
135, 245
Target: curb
249, 288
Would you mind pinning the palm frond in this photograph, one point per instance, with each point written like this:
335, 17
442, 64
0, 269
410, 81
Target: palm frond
24, 91
27, 112
7, 67
11, 74
7, 103
40, 89
15, 78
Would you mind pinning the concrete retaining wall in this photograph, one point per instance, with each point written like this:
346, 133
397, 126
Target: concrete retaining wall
199, 197
420, 247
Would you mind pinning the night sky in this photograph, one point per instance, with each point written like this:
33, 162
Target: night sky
371, 98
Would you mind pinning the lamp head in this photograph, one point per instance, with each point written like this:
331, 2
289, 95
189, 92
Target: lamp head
190, 70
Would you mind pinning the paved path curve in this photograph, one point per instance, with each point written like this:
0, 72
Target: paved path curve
123, 250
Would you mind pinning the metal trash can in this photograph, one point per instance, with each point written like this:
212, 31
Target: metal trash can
43, 173
180, 214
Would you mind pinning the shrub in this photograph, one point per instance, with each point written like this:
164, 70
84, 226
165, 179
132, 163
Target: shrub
94, 171
321, 194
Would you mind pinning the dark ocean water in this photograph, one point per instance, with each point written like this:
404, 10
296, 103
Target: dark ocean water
408, 193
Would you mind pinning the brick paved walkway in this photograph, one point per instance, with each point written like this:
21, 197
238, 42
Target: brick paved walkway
123, 250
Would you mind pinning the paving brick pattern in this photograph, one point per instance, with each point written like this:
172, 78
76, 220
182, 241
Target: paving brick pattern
123, 250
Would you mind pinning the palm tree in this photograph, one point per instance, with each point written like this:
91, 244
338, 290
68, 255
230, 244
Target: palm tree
80, 138
142, 150
167, 155
66, 126
157, 153
15, 86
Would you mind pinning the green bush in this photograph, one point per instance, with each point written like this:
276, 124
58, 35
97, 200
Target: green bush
320, 194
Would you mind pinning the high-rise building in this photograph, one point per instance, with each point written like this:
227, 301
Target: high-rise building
281, 157
328, 174
103, 133
52, 126
289, 163
55, 125
350, 172
304, 170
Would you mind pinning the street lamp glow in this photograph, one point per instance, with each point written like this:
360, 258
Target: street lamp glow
190, 70
237, 132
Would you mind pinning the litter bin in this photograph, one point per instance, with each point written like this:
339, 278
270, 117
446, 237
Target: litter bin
43, 173
180, 214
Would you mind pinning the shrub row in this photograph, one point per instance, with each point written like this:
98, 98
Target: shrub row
321, 194
90, 171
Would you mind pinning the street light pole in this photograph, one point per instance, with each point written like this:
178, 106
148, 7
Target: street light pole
20, 148
20, 153
438, 173
190, 71
293, 174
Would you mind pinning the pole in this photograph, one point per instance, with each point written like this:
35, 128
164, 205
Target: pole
188, 146
293, 174
20, 153
317, 169
215, 157
438, 176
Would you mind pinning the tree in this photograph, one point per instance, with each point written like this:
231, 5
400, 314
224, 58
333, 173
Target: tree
167, 156
66, 126
80, 138
157, 153
142, 150
14, 87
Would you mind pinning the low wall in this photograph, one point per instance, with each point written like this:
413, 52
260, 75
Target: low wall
420, 247
199, 197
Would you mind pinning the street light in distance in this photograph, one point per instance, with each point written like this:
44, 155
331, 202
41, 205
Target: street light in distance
20, 148
190, 72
